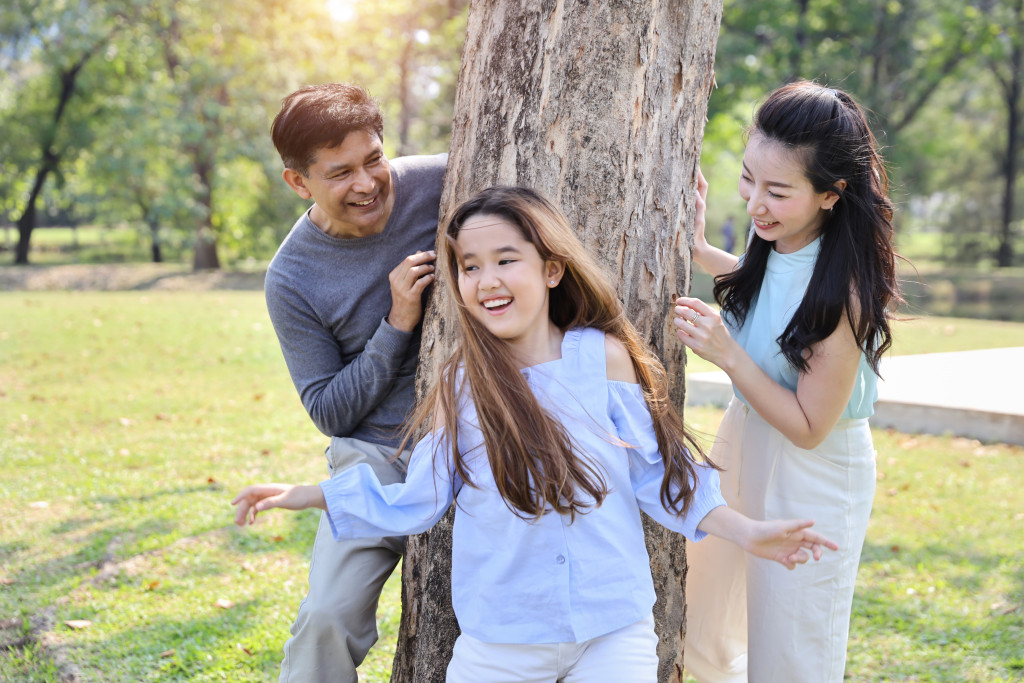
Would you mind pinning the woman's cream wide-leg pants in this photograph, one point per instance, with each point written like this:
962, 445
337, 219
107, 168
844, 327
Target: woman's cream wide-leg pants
752, 619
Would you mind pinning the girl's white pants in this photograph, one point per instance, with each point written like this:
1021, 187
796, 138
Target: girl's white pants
629, 654
753, 620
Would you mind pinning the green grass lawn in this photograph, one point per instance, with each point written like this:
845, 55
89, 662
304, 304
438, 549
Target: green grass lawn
129, 419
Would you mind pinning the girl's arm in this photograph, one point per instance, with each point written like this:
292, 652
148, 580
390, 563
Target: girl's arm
712, 259
255, 499
358, 505
806, 416
785, 541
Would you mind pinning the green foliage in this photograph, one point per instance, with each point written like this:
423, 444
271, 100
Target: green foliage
930, 74
167, 125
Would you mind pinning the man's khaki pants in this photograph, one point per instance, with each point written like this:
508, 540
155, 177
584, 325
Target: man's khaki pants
337, 620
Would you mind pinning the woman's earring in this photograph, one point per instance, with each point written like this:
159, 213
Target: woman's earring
553, 283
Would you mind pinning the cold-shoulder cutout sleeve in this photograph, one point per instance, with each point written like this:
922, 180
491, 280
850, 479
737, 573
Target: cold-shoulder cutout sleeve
634, 426
359, 506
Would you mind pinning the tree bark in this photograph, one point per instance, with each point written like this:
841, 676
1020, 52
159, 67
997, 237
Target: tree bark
601, 107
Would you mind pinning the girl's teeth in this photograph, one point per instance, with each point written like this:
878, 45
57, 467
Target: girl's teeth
497, 303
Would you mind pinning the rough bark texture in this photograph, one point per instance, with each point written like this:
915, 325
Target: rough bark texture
600, 106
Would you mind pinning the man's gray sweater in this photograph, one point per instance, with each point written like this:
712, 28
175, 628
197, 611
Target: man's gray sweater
328, 298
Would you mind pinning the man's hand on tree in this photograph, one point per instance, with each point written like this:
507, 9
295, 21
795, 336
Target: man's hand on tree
408, 280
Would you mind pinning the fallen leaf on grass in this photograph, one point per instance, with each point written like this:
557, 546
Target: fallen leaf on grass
167, 653
126, 421
894, 548
244, 649
78, 623
224, 603
152, 584
39, 504
6, 581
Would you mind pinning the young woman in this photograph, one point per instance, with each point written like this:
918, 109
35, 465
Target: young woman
551, 431
804, 323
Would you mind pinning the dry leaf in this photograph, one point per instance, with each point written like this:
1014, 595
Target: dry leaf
6, 581
224, 603
152, 584
126, 421
167, 653
39, 504
78, 623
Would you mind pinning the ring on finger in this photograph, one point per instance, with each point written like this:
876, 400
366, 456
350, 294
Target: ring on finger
693, 319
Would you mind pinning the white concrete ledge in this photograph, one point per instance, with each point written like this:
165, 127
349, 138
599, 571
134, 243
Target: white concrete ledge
974, 394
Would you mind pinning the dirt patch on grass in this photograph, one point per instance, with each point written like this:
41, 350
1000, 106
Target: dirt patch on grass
136, 276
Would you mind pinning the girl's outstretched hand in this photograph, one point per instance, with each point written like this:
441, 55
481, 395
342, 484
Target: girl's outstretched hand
260, 497
786, 541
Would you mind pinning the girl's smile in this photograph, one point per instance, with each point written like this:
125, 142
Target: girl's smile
504, 284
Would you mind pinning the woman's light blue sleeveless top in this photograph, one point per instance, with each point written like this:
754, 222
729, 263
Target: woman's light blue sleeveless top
785, 282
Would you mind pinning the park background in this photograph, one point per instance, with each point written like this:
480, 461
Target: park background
135, 156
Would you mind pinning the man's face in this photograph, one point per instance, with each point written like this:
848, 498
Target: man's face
351, 185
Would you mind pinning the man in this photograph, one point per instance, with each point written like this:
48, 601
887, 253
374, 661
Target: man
345, 293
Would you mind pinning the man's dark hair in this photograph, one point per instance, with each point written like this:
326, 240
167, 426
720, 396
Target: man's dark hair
319, 117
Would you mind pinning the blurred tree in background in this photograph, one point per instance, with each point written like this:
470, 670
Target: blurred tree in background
155, 113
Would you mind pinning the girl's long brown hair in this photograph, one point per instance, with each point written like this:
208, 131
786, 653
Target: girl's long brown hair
535, 464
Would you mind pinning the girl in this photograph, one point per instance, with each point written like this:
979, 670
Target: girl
552, 430
804, 323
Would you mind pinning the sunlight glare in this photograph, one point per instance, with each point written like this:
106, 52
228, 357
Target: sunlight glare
341, 10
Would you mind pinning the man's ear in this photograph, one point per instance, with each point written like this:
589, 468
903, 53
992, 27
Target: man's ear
297, 182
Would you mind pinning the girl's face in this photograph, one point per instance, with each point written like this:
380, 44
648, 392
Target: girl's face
504, 282
781, 200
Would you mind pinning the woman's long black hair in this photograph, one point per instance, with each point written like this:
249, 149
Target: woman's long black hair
829, 132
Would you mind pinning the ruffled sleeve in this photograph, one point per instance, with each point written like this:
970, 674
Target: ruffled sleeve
359, 506
634, 426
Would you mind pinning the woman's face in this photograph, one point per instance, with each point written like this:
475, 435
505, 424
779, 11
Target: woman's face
780, 199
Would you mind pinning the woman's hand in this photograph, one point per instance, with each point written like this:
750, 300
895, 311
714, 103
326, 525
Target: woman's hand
701, 329
700, 240
256, 499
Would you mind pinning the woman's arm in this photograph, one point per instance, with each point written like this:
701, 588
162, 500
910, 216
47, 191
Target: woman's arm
806, 416
712, 259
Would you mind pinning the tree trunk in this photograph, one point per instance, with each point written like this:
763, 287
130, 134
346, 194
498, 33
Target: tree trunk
601, 107
204, 254
1012, 88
